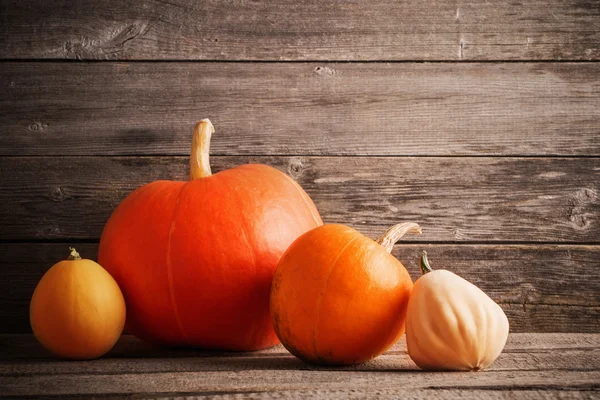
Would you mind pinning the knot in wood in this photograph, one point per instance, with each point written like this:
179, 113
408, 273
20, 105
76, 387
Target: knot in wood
579, 220
37, 126
295, 167
79, 47
57, 195
325, 71
50, 231
586, 195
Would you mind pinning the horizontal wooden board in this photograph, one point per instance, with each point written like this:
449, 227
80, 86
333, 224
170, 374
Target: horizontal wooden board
542, 288
308, 30
391, 394
454, 199
34, 360
532, 366
301, 109
496, 393
577, 360
274, 380
23, 348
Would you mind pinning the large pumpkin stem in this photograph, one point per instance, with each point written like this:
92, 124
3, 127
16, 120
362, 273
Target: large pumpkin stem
74, 254
424, 264
199, 159
392, 235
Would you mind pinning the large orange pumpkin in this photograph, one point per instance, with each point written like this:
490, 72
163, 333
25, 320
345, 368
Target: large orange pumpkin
339, 297
195, 260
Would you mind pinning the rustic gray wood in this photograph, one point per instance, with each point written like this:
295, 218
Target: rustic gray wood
542, 288
392, 394
454, 199
133, 356
24, 348
301, 109
532, 366
308, 30
573, 360
76, 138
297, 379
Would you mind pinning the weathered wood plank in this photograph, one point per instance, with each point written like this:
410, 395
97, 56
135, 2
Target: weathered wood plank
273, 380
454, 199
542, 288
23, 348
391, 394
578, 360
526, 367
366, 393
310, 30
301, 109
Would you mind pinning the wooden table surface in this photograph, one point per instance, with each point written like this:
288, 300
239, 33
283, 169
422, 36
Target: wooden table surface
532, 366
478, 119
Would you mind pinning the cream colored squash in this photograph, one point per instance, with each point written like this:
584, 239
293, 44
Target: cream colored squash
451, 324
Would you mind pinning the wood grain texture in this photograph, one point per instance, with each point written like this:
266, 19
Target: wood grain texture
532, 366
76, 138
391, 394
572, 360
311, 30
211, 382
542, 288
301, 109
133, 356
21, 349
363, 393
454, 199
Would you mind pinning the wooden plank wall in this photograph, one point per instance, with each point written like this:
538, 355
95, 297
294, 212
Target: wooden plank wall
480, 120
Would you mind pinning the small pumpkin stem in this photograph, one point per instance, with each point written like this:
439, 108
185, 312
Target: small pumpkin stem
392, 235
424, 264
74, 254
199, 158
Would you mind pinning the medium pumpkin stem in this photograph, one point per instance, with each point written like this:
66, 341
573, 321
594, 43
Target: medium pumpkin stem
74, 254
392, 235
199, 159
424, 264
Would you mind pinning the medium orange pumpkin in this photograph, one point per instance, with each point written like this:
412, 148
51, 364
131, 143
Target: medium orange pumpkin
77, 309
195, 259
339, 297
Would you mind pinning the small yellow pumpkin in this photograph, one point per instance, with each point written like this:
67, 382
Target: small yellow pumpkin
451, 324
77, 310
